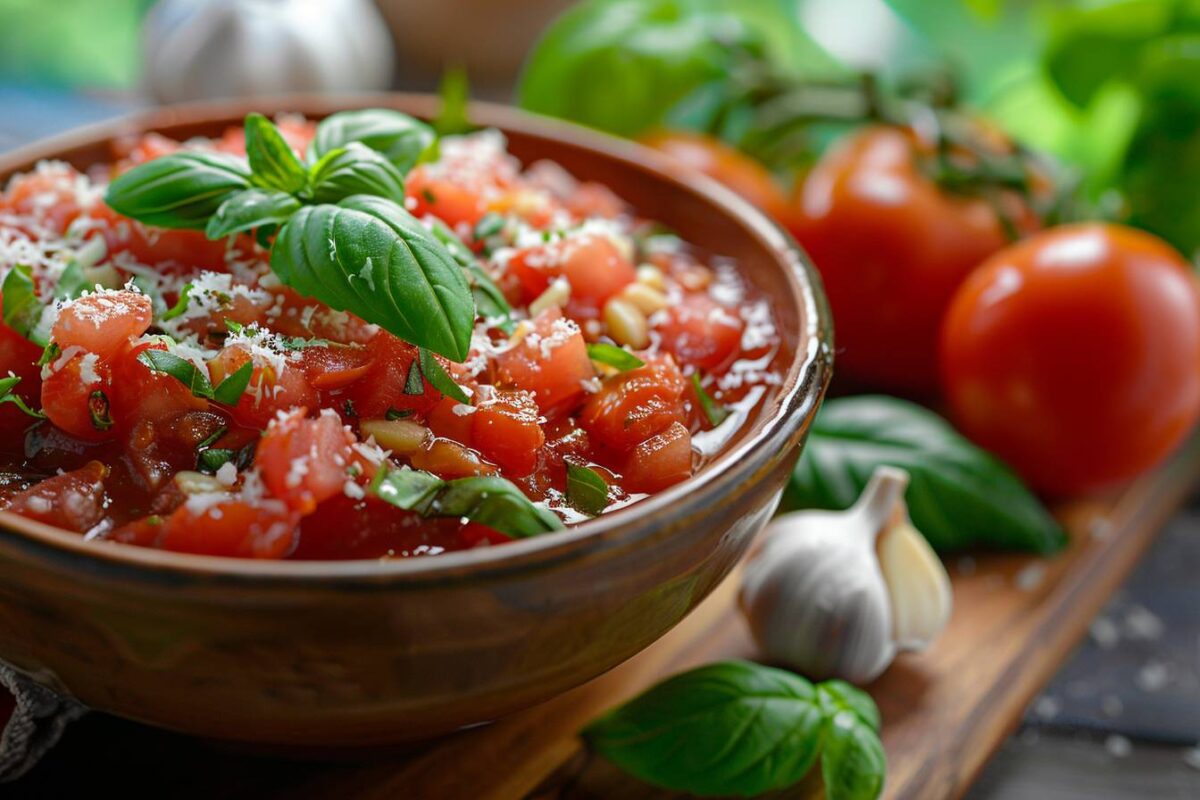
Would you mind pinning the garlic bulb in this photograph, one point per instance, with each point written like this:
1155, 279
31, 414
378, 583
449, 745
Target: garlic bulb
201, 49
838, 594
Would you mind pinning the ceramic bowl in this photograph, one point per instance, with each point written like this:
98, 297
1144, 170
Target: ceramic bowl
362, 653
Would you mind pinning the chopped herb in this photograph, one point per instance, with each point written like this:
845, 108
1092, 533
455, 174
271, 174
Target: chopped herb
98, 409
8, 395
71, 282
232, 388
398, 413
439, 379
180, 305
614, 356
349, 409
49, 354
413, 384
236, 328
714, 411
228, 392
491, 224
429, 196
210, 440
214, 458
587, 491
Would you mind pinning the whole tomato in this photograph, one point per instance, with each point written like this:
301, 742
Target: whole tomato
1075, 355
727, 165
892, 245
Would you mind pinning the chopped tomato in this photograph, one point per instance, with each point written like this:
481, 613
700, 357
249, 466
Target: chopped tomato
158, 447
181, 251
102, 323
18, 357
449, 459
305, 461
224, 527
451, 419
73, 500
633, 406
331, 367
75, 396
270, 391
551, 361
454, 203
474, 534
138, 392
702, 333
383, 386
47, 195
506, 430
660, 461
590, 262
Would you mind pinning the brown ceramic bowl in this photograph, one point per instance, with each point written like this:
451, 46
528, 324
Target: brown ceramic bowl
357, 653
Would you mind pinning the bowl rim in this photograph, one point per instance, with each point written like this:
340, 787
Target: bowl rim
794, 402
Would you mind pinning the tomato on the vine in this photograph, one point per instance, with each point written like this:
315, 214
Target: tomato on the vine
1075, 355
892, 245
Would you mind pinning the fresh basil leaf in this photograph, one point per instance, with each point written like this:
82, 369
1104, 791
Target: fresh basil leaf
8, 395
496, 503
614, 356
273, 165
71, 283
439, 379
212, 438
180, 306
401, 139
179, 190
490, 225
490, 302
50, 354
455, 93
369, 256
231, 389
355, 169
21, 308
414, 384
213, 458
398, 413
836, 696
714, 411
407, 488
731, 728
853, 764
250, 209
958, 496
587, 491
180, 369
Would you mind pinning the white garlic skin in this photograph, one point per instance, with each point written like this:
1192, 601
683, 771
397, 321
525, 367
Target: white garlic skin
822, 599
205, 49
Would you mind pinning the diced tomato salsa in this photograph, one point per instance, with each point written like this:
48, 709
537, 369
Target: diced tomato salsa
134, 453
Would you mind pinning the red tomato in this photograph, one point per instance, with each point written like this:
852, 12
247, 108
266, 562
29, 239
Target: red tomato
382, 387
506, 430
138, 392
700, 332
1075, 355
727, 165
75, 397
591, 263
330, 368
305, 461
269, 392
660, 461
552, 362
73, 500
449, 459
445, 421
183, 250
46, 195
454, 203
474, 534
633, 406
102, 323
891, 247
19, 356
228, 527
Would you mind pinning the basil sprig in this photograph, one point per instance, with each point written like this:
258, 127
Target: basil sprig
8, 394
344, 237
487, 499
489, 300
21, 307
959, 496
737, 728
401, 139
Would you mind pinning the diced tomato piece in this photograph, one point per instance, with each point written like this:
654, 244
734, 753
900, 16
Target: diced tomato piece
75, 396
379, 530
145, 148
451, 419
552, 362
305, 461
383, 386
454, 203
269, 392
158, 447
18, 357
449, 459
178, 251
224, 527
102, 323
660, 461
139, 392
700, 332
536, 207
590, 262
633, 406
506, 430
73, 500
474, 534
335, 367
47, 196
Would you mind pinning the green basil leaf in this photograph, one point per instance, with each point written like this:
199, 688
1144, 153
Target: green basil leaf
836, 696
488, 500
714, 411
401, 139
180, 306
273, 165
414, 384
213, 458
398, 413
179, 190
180, 369
614, 356
355, 169
22, 308
455, 94
71, 283
489, 225
489, 300
731, 728
958, 495
439, 379
250, 209
369, 256
587, 491
853, 764
234, 385
8, 395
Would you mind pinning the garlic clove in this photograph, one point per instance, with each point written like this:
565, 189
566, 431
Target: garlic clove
918, 586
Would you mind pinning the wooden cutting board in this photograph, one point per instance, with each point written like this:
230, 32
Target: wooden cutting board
944, 711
